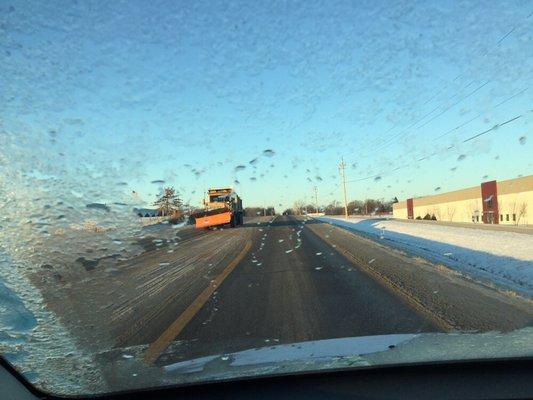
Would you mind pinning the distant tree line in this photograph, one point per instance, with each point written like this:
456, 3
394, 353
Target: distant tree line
361, 207
258, 211
355, 207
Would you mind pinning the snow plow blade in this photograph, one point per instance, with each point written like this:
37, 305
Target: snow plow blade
205, 221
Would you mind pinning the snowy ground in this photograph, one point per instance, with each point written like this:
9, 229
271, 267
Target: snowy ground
504, 259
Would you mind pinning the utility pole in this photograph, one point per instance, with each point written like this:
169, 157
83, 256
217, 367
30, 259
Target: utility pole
342, 167
316, 199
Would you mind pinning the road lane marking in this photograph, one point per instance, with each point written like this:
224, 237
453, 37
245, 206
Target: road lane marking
141, 323
379, 277
162, 342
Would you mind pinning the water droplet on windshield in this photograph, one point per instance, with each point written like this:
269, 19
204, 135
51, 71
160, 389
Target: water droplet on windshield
98, 206
268, 152
461, 157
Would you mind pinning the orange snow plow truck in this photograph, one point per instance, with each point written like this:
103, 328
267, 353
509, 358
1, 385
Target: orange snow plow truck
223, 207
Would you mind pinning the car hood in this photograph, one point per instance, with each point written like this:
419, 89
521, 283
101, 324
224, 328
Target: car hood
330, 354
124, 368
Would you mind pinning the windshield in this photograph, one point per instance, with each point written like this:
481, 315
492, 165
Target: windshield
220, 198
378, 156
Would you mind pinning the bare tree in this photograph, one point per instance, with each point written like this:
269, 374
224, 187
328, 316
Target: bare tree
334, 208
437, 213
370, 206
355, 207
298, 207
473, 207
259, 211
450, 210
521, 212
311, 208
512, 208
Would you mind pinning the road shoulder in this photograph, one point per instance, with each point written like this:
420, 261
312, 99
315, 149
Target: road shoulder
461, 303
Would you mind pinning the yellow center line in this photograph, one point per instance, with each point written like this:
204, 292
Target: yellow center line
162, 342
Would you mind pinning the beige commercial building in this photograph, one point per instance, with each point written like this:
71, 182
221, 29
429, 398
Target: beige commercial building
506, 202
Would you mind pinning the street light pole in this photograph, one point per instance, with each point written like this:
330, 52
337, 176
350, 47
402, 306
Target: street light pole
342, 167
316, 199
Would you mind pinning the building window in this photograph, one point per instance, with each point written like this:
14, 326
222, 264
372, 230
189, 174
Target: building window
477, 218
514, 217
507, 217
501, 217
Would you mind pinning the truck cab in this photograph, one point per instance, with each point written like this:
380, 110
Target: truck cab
223, 206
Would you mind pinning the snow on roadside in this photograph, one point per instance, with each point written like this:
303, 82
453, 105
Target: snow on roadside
500, 257
36, 343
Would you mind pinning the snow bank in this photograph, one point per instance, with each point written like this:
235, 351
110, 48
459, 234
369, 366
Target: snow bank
502, 258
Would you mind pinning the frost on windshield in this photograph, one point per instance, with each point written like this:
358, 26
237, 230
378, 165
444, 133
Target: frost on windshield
106, 108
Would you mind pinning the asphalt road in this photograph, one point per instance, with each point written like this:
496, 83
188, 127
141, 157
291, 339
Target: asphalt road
306, 280
274, 280
293, 287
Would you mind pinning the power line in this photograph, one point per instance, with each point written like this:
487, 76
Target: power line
435, 116
458, 127
401, 135
364, 179
495, 127
454, 104
388, 141
479, 115
448, 132
505, 36
492, 129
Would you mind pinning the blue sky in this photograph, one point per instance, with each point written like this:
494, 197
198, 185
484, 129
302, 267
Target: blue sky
109, 96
